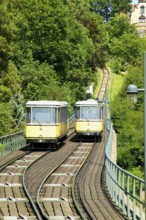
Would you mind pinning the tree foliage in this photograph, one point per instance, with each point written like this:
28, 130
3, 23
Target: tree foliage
108, 9
128, 123
124, 45
51, 50
121, 6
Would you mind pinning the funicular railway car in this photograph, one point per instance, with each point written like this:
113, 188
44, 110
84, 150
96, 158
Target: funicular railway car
46, 122
89, 119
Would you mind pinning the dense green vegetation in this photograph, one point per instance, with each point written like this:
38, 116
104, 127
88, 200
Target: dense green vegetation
128, 123
53, 50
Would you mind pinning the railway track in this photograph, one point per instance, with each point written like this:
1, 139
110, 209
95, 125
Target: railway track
104, 85
54, 197
17, 189
13, 199
20, 182
55, 194
91, 195
57, 183
90, 189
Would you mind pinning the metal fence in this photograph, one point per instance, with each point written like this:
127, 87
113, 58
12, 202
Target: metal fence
71, 119
11, 143
126, 190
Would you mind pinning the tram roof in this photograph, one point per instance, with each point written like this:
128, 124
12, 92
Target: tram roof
87, 102
46, 103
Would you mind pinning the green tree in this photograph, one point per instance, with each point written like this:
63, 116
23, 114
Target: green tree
103, 8
7, 122
8, 33
121, 6
128, 123
108, 8
10, 90
51, 36
84, 13
124, 44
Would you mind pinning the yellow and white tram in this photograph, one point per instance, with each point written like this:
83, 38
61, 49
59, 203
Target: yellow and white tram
46, 121
89, 118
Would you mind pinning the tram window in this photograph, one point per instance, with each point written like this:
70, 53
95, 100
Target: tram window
58, 115
28, 116
61, 115
86, 112
64, 114
77, 112
41, 115
100, 113
90, 112
54, 115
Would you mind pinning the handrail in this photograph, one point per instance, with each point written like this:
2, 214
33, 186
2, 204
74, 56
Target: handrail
71, 119
126, 190
11, 143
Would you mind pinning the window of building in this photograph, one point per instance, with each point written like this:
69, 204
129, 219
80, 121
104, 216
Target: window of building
142, 10
142, 19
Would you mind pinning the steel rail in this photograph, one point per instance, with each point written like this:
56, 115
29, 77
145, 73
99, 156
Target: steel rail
34, 207
11, 184
80, 207
41, 186
6, 163
38, 194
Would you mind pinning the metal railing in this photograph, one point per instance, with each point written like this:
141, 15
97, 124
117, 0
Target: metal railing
11, 143
71, 119
126, 190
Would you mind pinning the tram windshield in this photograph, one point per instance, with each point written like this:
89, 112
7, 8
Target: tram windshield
41, 115
88, 112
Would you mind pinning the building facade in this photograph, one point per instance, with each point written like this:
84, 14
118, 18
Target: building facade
138, 17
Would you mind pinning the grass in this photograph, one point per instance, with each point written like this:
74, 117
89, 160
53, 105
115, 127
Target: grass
99, 74
115, 84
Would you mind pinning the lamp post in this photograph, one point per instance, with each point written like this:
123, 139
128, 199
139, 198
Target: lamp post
132, 91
